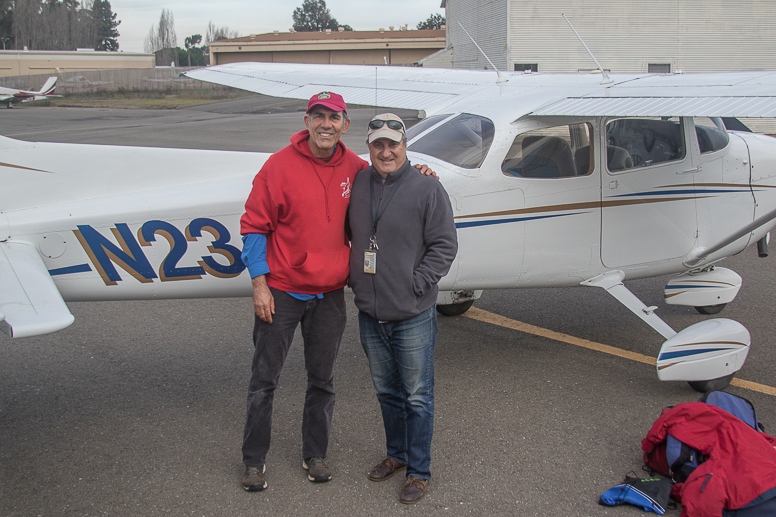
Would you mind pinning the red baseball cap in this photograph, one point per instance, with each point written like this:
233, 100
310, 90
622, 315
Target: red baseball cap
328, 99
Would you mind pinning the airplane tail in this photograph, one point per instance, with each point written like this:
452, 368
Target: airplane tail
48, 87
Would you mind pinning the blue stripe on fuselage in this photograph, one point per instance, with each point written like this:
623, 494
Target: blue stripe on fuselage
81, 268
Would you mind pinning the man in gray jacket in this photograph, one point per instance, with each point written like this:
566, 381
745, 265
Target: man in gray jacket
403, 242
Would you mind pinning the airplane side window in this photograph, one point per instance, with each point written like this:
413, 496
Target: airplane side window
552, 152
633, 143
711, 133
463, 141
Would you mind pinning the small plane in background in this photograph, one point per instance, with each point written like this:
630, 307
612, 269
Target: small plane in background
555, 181
11, 96
81, 81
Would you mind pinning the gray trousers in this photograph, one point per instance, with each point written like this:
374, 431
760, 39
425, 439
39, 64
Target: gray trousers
323, 322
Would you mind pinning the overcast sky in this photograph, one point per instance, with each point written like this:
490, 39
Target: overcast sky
259, 16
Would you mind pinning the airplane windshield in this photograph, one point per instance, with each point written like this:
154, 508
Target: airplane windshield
711, 134
463, 141
424, 124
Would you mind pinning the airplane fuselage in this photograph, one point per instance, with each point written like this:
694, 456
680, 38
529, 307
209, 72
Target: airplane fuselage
137, 223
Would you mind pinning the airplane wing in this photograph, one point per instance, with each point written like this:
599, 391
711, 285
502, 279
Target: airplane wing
727, 94
394, 87
30, 303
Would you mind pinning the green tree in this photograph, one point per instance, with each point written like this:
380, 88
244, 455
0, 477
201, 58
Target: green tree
6, 24
314, 16
435, 21
106, 22
194, 54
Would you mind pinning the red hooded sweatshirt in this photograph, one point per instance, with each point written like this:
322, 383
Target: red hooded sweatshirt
299, 202
741, 462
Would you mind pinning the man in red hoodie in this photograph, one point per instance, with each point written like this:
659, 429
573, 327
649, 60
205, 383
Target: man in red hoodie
297, 254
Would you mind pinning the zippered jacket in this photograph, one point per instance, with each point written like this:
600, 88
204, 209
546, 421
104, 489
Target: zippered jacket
299, 202
740, 469
416, 241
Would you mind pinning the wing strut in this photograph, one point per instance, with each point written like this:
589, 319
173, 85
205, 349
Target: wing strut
697, 255
611, 282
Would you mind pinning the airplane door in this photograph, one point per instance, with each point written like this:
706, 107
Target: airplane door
647, 191
725, 201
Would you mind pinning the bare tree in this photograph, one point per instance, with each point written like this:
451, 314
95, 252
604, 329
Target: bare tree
214, 33
162, 40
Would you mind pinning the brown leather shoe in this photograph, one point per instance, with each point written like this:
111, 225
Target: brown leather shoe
385, 469
414, 490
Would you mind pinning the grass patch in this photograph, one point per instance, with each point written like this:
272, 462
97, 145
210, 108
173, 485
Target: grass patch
150, 99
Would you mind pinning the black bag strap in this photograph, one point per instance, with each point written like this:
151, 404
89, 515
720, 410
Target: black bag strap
680, 468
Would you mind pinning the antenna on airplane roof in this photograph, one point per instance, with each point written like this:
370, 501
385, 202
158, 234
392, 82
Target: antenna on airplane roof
501, 79
607, 79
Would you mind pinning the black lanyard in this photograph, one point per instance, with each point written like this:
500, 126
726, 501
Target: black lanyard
377, 212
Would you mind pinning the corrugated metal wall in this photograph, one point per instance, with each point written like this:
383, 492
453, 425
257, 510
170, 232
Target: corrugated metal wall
486, 21
691, 35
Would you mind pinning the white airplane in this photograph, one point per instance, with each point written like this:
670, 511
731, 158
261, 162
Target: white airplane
555, 180
11, 96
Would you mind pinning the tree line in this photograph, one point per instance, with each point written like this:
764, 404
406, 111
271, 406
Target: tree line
162, 41
314, 16
58, 25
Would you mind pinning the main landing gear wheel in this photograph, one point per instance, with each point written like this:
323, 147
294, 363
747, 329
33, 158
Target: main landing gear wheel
711, 309
455, 309
712, 385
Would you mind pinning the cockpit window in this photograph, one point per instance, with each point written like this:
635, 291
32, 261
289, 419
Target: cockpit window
711, 133
463, 141
641, 142
424, 124
551, 152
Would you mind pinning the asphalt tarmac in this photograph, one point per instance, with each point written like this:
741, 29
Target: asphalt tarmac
138, 407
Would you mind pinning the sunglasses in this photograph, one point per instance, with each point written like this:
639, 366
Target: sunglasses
392, 124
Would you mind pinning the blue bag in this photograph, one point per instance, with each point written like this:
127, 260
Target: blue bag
683, 459
736, 406
651, 495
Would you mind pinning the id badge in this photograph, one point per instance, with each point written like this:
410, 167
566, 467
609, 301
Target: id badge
370, 262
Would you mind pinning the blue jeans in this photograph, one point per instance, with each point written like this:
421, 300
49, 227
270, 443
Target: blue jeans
401, 359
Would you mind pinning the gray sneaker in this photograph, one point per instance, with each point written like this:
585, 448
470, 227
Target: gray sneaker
254, 481
317, 471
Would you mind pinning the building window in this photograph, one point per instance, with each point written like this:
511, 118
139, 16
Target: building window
524, 67
659, 68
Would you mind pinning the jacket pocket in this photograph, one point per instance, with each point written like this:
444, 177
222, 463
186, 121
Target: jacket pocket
324, 271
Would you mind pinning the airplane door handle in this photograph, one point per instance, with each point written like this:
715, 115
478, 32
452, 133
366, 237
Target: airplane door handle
689, 171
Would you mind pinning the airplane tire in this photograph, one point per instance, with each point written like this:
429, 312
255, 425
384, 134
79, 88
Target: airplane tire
711, 309
455, 309
712, 385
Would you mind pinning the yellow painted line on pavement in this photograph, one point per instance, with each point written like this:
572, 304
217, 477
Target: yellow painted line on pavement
489, 317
